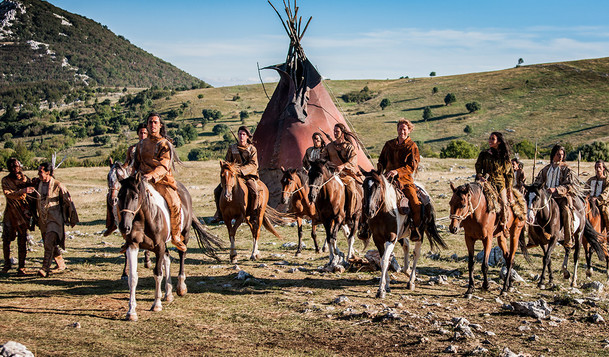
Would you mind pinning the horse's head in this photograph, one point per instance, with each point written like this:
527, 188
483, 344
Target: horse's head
536, 198
290, 182
374, 187
116, 173
460, 206
317, 172
228, 178
130, 199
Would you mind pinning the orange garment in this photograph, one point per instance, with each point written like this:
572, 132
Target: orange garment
344, 154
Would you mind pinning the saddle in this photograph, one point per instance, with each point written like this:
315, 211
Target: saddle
403, 203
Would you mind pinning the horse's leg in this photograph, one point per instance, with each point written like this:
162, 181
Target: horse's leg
255, 227
333, 243
125, 275
328, 227
158, 279
350, 240
167, 272
406, 249
415, 259
384, 284
132, 263
470, 266
550, 272
147, 262
299, 249
314, 237
576, 258
488, 243
565, 271
545, 266
181, 288
508, 254
231, 236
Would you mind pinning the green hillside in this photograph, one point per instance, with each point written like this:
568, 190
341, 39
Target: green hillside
41, 42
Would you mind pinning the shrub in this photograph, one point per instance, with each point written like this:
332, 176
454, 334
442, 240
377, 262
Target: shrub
220, 129
432, 74
591, 152
385, 103
468, 129
178, 140
197, 154
244, 115
449, 99
236, 97
472, 107
101, 140
434, 90
358, 97
524, 148
211, 114
200, 96
427, 113
459, 149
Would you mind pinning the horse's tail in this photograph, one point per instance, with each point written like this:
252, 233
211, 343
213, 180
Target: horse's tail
522, 242
274, 217
207, 241
435, 240
596, 242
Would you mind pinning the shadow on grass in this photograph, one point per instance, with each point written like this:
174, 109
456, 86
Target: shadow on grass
421, 108
447, 138
441, 117
96, 222
581, 130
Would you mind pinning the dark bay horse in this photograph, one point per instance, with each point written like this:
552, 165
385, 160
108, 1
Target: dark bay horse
295, 191
144, 223
327, 191
545, 229
593, 215
468, 209
388, 226
118, 172
233, 206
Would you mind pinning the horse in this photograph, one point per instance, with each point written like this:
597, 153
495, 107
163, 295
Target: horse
295, 192
388, 225
327, 191
144, 223
233, 206
543, 217
118, 172
593, 215
469, 209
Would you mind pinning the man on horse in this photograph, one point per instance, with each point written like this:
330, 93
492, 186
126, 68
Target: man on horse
142, 133
55, 209
314, 152
153, 159
399, 161
342, 155
17, 214
245, 155
599, 190
559, 180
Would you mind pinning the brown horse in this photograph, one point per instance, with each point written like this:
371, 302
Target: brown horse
593, 215
117, 173
144, 223
295, 191
468, 209
233, 206
388, 226
328, 193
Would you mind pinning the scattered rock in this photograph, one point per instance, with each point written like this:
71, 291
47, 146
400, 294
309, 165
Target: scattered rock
227, 285
451, 349
460, 321
433, 256
454, 257
476, 327
399, 305
574, 291
524, 328
538, 309
515, 277
242, 275
438, 279
533, 338
443, 331
75, 325
374, 257
596, 318
424, 340
235, 267
293, 270
490, 333
495, 257
595, 286
261, 265
507, 353
12, 348
479, 350
341, 300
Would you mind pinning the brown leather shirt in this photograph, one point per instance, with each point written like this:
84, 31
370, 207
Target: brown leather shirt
499, 171
404, 158
341, 153
15, 201
246, 157
153, 156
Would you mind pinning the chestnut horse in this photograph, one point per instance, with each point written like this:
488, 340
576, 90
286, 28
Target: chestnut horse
295, 192
388, 226
593, 215
144, 223
233, 206
468, 209
118, 172
327, 191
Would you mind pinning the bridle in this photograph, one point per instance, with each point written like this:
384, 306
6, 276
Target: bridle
535, 210
470, 209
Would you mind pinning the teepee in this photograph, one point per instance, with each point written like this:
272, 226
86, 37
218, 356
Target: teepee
299, 107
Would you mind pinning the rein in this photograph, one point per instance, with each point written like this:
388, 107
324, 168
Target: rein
470, 210
323, 184
535, 210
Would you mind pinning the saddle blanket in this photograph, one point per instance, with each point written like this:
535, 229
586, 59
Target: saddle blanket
158, 200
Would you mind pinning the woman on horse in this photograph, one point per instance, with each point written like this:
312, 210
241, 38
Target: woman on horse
519, 176
493, 166
314, 152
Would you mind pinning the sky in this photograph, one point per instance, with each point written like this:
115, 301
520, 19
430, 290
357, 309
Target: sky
223, 41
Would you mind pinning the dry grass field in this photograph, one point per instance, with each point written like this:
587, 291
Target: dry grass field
288, 308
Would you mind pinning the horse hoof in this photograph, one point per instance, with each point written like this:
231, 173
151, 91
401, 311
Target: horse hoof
148, 264
317, 251
589, 273
485, 286
156, 308
168, 298
566, 274
468, 296
124, 277
181, 289
298, 254
131, 317
380, 294
541, 286
410, 286
503, 293
233, 259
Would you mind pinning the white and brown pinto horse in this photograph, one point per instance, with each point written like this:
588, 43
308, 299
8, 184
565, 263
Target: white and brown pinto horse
388, 226
144, 223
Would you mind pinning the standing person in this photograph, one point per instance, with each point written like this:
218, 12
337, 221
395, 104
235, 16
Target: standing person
245, 155
55, 209
599, 190
495, 162
519, 176
17, 215
559, 180
399, 161
341, 154
314, 152
142, 133
154, 157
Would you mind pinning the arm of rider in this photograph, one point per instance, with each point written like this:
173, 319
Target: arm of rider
29, 189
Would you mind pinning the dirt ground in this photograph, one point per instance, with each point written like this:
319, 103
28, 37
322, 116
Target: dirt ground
288, 307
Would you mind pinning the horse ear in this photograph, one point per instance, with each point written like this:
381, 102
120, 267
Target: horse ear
111, 161
221, 162
138, 176
366, 173
452, 186
282, 169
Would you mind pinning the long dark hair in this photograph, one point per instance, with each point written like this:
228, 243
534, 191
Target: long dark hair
163, 130
503, 149
323, 143
350, 136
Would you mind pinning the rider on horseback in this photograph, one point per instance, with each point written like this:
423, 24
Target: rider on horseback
153, 159
142, 133
559, 180
599, 190
314, 152
495, 162
342, 155
245, 155
399, 160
